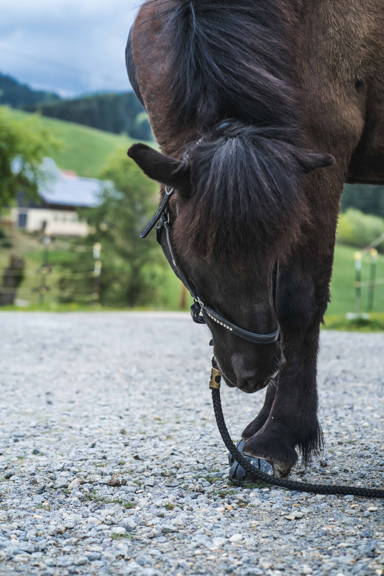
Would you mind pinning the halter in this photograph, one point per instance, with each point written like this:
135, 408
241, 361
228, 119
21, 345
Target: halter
200, 312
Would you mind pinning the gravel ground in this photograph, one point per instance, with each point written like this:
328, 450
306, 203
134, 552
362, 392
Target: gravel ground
111, 463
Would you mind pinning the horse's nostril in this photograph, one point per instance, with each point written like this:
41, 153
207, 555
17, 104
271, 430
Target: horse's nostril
250, 385
253, 373
245, 386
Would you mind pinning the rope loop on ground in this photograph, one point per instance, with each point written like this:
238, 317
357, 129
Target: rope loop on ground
258, 475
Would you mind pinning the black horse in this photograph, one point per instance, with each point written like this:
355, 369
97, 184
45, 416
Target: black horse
245, 98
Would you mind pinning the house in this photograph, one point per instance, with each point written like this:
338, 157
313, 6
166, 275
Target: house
61, 195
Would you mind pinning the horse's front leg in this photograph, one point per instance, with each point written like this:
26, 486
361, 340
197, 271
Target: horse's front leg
288, 419
262, 416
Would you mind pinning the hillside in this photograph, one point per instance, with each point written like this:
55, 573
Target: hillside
83, 150
117, 113
18, 95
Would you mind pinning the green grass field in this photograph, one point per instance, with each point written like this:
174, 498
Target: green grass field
81, 149
63, 255
343, 292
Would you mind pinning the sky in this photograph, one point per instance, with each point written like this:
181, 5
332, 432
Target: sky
68, 46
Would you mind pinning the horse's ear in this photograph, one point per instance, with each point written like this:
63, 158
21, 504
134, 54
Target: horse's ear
310, 161
159, 167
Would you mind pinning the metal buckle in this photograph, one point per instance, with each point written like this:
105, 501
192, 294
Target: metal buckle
215, 381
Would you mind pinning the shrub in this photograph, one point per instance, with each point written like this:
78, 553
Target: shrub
358, 229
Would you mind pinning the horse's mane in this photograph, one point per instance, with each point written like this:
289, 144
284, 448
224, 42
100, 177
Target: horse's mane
232, 60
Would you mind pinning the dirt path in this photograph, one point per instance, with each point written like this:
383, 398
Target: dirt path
111, 464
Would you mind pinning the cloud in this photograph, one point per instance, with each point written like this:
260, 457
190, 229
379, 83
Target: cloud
70, 46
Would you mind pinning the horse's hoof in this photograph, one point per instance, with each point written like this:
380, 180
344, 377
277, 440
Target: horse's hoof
238, 475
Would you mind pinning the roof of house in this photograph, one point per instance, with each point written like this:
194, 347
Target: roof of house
68, 189
62, 188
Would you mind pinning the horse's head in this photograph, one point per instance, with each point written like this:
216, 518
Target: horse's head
236, 212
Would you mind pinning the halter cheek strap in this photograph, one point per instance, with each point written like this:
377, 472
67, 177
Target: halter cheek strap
163, 207
201, 313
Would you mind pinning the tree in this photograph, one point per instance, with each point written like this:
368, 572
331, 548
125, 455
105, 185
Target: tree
132, 269
23, 145
358, 229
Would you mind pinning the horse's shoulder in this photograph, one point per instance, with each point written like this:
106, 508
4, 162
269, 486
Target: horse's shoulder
342, 78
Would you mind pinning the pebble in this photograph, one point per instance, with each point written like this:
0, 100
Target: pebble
61, 482
236, 538
168, 529
218, 542
118, 531
124, 473
74, 484
129, 525
93, 556
81, 561
294, 516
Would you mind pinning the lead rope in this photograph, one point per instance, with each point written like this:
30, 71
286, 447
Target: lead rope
256, 474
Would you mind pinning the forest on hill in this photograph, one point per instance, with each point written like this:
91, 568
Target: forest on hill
18, 95
118, 113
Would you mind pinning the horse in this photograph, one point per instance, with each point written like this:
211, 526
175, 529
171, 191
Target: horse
262, 110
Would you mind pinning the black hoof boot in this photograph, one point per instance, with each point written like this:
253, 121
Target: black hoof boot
238, 475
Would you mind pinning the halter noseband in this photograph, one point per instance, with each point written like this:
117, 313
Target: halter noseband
200, 312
